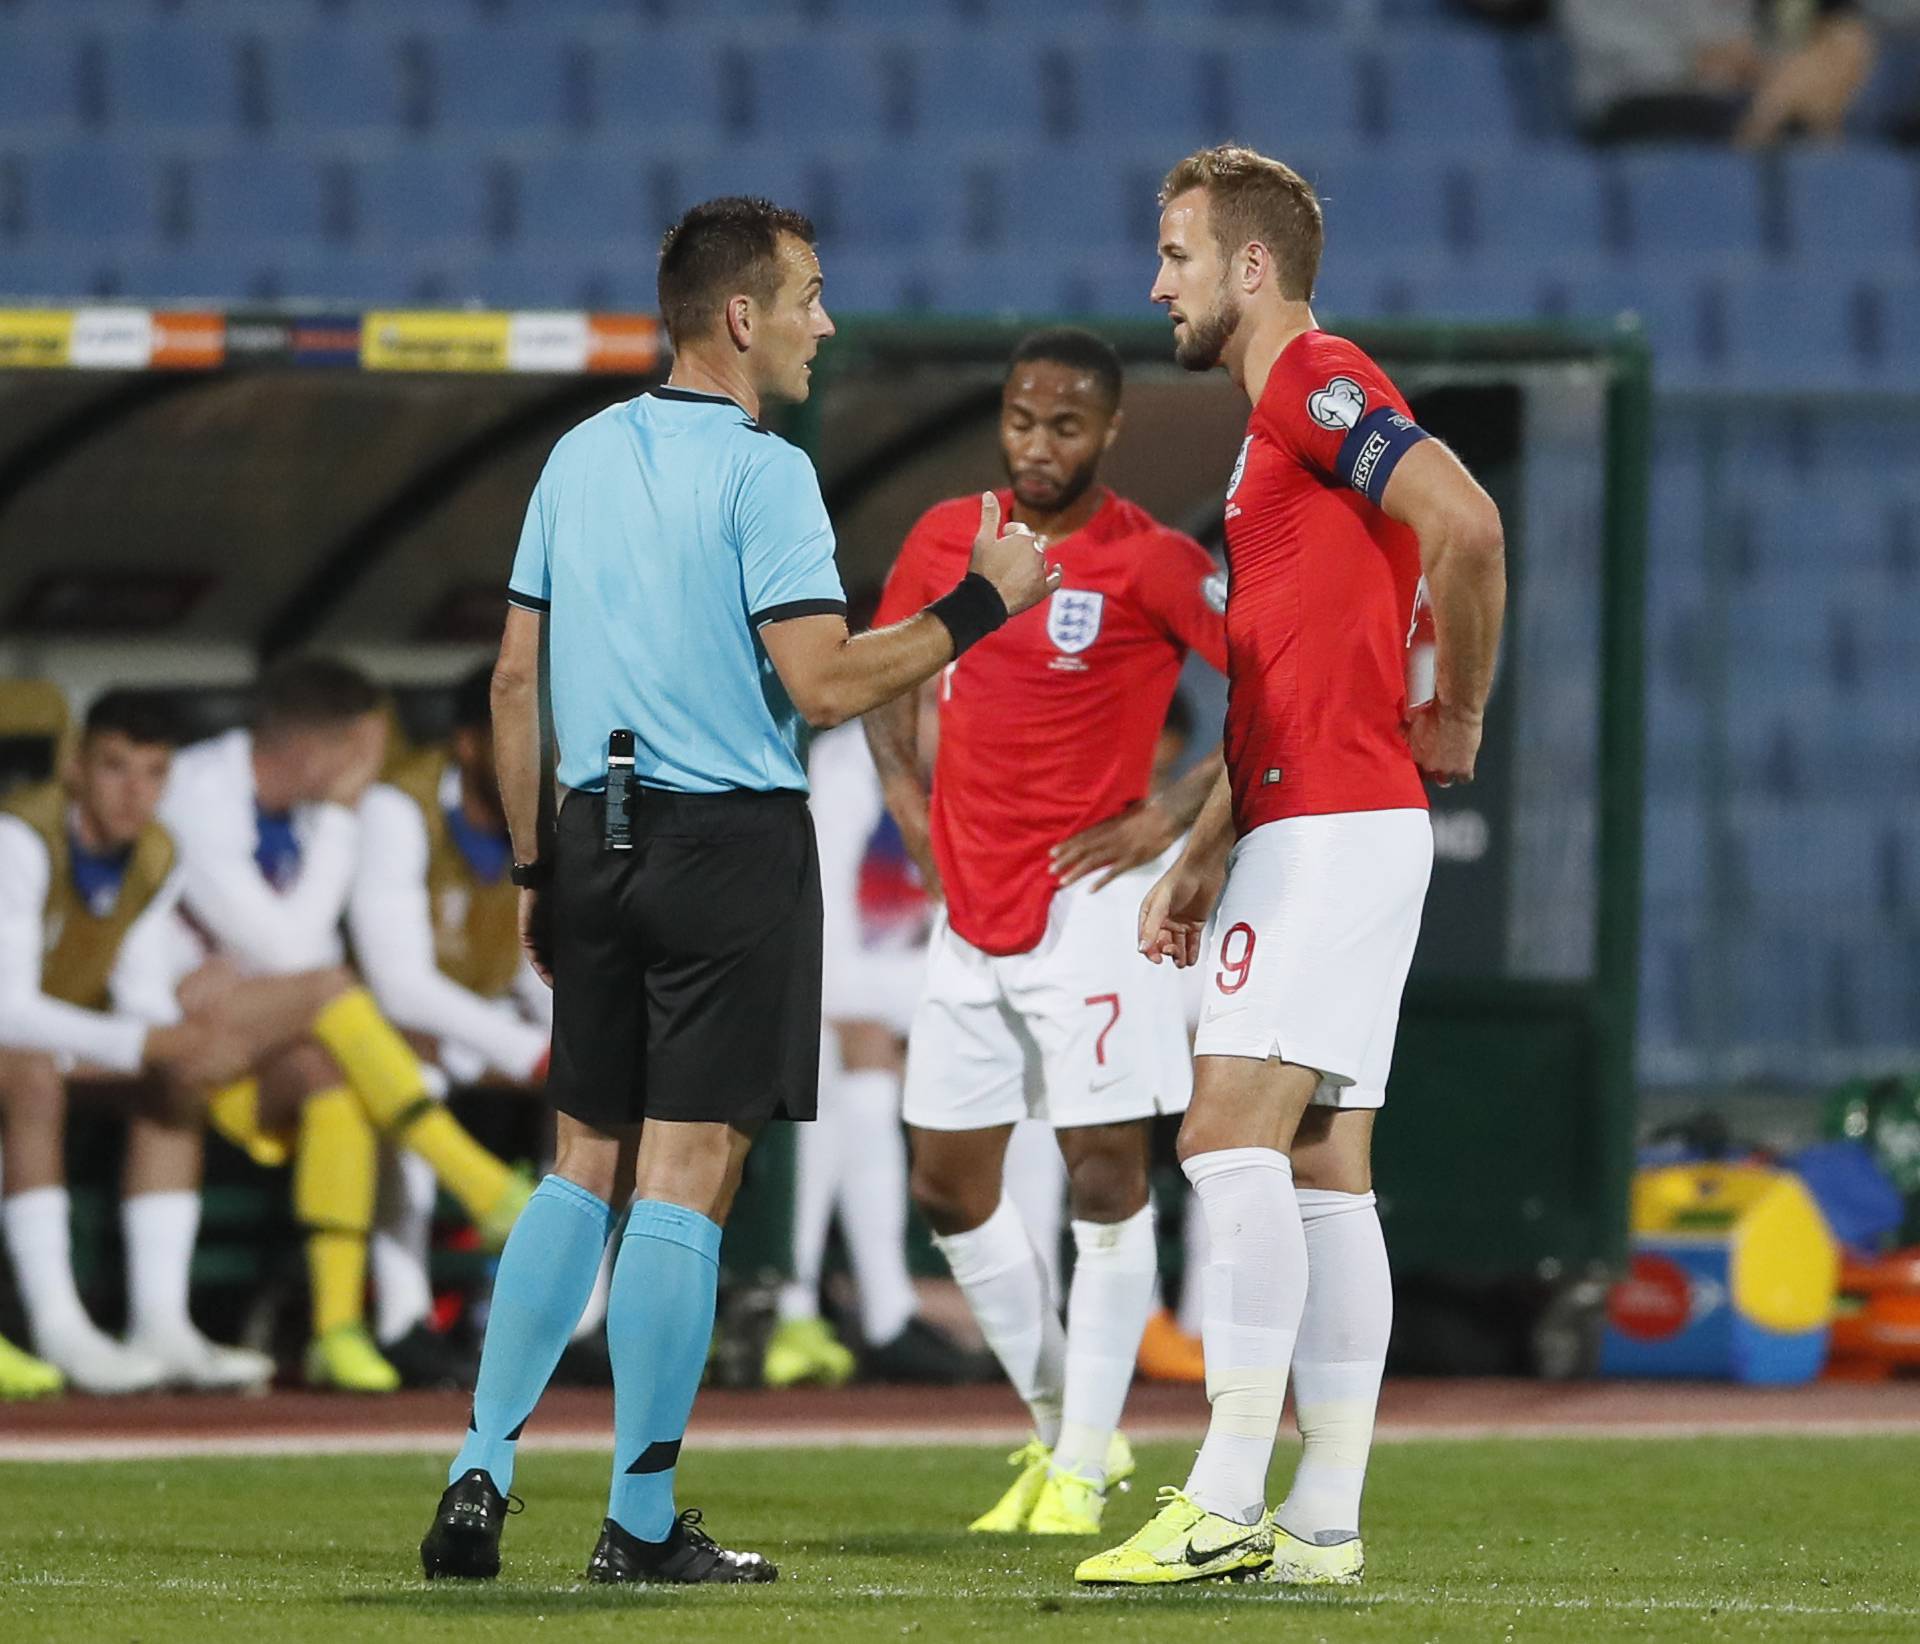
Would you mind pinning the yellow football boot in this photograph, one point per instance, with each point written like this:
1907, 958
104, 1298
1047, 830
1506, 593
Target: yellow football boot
345, 1360
1181, 1542
1008, 1516
1298, 1563
806, 1350
22, 1376
1070, 1505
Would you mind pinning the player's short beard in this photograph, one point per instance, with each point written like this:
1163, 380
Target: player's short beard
1207, 336
1072, 489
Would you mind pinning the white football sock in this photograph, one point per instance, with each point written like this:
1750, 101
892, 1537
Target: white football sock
1192, 1312
1337, 1362
158, 1230
1035, 1178
398, 1254
816, 1163
1256, 1286
1000, 1273
871, 1200
40, 1241
1114, 1273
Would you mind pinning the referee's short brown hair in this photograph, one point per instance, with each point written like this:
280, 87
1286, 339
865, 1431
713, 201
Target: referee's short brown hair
719, 250
1251, 197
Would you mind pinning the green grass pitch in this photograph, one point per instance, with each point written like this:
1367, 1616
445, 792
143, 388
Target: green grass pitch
1503, 1540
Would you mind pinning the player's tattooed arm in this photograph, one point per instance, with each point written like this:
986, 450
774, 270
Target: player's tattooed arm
1139, 833
893, 737
1463, 555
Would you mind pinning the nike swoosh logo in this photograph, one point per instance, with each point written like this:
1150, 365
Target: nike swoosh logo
1196, 1556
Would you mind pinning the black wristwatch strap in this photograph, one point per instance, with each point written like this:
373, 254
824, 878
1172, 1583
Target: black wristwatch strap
531, 875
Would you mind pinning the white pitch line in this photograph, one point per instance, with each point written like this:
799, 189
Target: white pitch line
436, 1440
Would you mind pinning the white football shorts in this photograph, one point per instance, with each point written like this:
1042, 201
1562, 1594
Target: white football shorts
1081, 1030
1307, 954
873, 984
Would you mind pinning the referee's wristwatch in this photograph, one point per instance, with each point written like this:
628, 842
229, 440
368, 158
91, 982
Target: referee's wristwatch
531, 875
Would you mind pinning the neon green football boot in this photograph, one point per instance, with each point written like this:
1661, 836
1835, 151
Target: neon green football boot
1181, 1542
1008, 1516
806, 1350
22, 1376
1072, 1505
346, 1361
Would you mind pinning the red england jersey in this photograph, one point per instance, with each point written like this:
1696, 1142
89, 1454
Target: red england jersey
1048, 725
1322, 589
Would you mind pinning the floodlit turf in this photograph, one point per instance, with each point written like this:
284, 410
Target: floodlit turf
1711, 1538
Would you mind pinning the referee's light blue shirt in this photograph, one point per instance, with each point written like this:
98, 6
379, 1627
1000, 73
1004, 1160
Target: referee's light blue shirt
663, 533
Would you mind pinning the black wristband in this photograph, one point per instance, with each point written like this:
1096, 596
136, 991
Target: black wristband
971, 612
531, 875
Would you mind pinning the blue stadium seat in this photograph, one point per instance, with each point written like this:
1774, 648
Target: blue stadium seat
1669, 309
916, 202
330, 82
1005, 283
1883, 988
966, 89
1898, 306
1826, 526
1772, 979
1444, 86
1784, 331
530, 280
352, 281
660, 89
217, 275
1300, 93
1132, 89
38, 94
830, 89
1093, 210
1117, 283
54, 276
243, 196
1538, 205
874, 282
1692, 205
1484, 293
173, 78
94, 192
1674, 859
509, 82
690, 177
430, 198
1399, 208
1848, 206
610, 200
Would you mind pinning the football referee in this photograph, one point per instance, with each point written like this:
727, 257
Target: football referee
677, 561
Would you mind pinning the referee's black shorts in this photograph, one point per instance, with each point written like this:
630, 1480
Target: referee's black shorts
687, 970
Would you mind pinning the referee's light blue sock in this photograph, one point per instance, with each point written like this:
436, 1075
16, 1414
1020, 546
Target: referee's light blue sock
659, 1325
541, 1287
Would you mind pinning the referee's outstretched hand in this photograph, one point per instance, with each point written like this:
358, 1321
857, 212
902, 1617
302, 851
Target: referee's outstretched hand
1013, 560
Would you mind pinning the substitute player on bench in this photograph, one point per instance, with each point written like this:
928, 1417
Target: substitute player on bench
268, 830
89, 966
1306, 926
1037, 1000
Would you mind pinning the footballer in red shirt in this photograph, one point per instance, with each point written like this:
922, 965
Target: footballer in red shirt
1300, 888
1043, 835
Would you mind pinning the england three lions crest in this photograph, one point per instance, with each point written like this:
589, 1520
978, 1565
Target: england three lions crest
1073, 619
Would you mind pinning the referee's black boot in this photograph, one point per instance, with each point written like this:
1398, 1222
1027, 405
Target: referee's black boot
688, 1554
464, 1538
